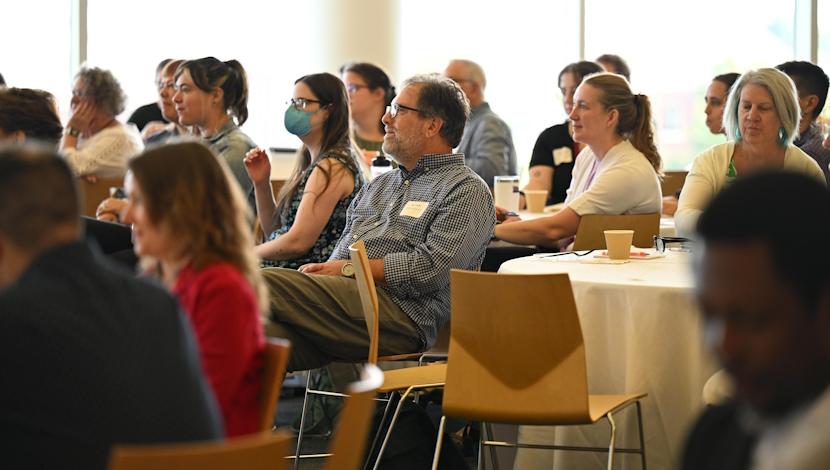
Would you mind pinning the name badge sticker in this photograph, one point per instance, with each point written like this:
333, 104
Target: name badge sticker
414, 209
562, 155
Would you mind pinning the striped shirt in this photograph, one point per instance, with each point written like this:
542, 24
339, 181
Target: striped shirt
449, 223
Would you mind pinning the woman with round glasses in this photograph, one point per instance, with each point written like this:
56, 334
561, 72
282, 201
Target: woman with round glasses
761, 120
616, 173
209, 95
307, 218
370, 92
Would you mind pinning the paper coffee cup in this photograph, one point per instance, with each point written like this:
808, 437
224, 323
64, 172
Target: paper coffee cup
535, 199
506, 192
618, 243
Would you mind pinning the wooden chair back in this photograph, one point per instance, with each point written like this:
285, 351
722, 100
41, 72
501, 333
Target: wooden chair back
590, 233
672, 182
442, 340
261, 451
516, 350
275, 360
93, 193
350, 434
368, 295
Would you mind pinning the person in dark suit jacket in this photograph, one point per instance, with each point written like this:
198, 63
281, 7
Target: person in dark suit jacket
90, 356
766, 311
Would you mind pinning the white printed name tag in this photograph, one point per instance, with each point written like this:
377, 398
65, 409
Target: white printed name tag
562, 155
414, 209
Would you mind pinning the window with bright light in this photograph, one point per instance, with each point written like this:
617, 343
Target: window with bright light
675, 48
275, 42
520, 49
36, 37
824, 47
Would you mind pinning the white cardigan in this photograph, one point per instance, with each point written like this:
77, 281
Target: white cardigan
708, 177
105, 154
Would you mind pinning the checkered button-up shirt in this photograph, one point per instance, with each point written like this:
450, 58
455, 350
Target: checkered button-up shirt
419, 249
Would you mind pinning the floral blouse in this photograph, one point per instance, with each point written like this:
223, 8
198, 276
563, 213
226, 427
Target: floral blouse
325, 244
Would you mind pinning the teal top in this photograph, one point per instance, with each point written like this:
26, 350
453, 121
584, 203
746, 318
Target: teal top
231, 144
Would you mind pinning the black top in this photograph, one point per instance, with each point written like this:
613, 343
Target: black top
717, 441
550, 139
89, 357
144, 114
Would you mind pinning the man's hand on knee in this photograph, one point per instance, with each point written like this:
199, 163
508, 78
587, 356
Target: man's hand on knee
329, 268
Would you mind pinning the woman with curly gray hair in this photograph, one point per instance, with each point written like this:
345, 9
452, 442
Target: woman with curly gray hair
94, 142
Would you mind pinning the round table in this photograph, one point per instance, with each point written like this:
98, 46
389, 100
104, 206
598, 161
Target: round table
642, 333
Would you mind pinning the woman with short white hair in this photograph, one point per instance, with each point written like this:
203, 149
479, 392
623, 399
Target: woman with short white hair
761, 121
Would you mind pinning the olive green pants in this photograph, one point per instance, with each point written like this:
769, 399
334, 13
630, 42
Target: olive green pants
323, 319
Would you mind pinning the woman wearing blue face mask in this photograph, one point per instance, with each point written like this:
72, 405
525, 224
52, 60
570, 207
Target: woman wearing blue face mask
307, 218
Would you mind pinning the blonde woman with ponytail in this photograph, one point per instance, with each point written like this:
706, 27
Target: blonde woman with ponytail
618, 172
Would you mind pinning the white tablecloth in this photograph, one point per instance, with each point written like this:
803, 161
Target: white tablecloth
642, 334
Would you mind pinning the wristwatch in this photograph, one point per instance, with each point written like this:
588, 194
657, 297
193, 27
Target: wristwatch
71, 131
347, 270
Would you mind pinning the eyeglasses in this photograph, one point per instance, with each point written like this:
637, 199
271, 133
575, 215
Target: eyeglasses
352, 88
301, 103
168, 85
459, 80
563, 253
660, 242
396, 108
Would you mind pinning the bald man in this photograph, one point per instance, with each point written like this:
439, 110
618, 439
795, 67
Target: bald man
487, 142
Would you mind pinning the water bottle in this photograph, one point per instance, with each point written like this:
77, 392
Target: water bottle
380, 165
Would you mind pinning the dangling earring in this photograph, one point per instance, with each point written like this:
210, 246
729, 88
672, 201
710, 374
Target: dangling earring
738, 134
782, 136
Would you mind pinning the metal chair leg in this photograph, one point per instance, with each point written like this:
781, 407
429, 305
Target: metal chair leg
302, 422
378, 433
436, 457
494, 458
480, 462
642, 439
391, 426
613, 439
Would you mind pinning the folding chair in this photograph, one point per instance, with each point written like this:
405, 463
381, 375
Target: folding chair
590, 236
517, 356
93, 193
273, 372
396, 380
261, 451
